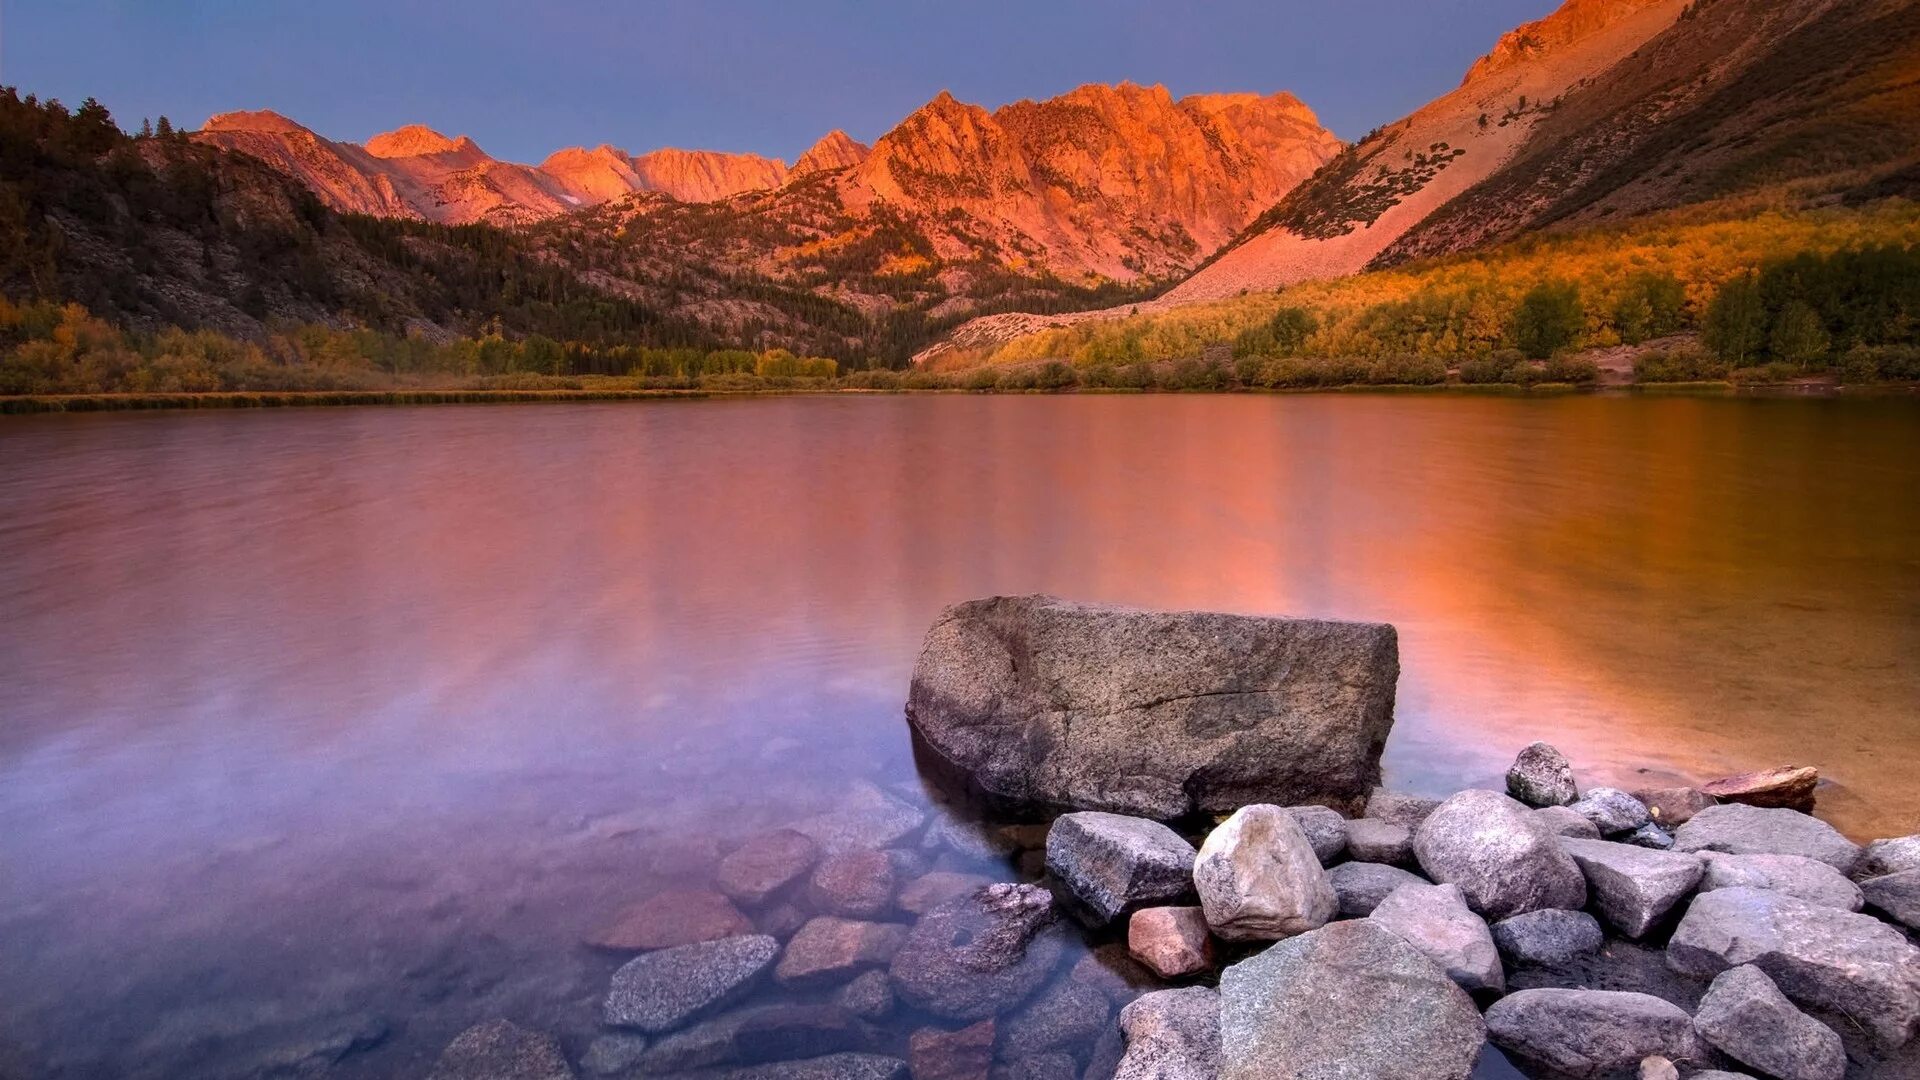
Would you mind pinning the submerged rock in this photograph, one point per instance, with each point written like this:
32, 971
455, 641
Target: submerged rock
502, 1050
868, 996
867, 818
1504, 858
1548, 938
765, 864
1259, 879
1350, 999
1172, 1035
675, 917
756, 1035
1747, 1017
938, 1054
1359, 887
1170, 941
1065, 1015
830, 1067
1436, 920
828, 950
1542, 776
1112, 864
663, 990
1796, 875
1590, 1033
1752, 830
1632, 886
980, 955
615, 1054
1169, 712
853, 884
929, 891
1823, 958
1790, 786
1113, 971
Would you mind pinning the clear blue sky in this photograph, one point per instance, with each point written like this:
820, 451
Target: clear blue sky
526, 77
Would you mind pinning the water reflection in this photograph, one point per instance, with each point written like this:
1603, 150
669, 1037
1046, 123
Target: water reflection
329, 733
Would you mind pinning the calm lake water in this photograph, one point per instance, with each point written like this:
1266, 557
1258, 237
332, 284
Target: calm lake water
329, 733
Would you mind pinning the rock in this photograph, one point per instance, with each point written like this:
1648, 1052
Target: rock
1650, 836
766, 864
929, 891
1374, 841
1114, 972
1790, 786
1054, 1066
1025, 837
1350, 999
1359, 887
868, 996
676, 917
1170, 712
1717, 1074
1172, 1035
1065, 1016
502, 1050
830, 1067
1674, 806
1548, 938
867, 819
831, 950
1889, 856
1896, 894
854, 884
1170, 941
1796, 875
980, 955
1542, 776
1590, 1033
1400, 808
1752, 830
1823, 958
612, 1055
1748, 1017
967, 1054
1612, 811
1325, 829
1504, 859
1259, 879
781, 920
1436, 920
972, 840
756, 1035
1631, 886
1658, 1068
1104, 1062
1566, 821
663, 990
1111, 864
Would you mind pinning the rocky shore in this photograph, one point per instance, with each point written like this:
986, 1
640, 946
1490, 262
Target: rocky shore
1149, 916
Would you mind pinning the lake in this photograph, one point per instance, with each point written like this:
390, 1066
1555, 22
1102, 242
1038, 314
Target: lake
328, 733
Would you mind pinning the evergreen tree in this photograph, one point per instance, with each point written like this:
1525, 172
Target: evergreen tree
1799, 337
1551, 318
1735, 326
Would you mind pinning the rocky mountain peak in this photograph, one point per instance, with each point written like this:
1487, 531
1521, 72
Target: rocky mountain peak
835, 150
416, 140
1574, 21
265, 121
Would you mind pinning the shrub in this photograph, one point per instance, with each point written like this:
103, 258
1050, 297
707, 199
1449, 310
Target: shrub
1550, 318
1688, 363
1735, 326
1799, 336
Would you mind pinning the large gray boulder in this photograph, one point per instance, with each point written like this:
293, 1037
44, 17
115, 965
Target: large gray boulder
1752, 830
1503, 857
1112, 864
1796, 875
1436, 920
1748, 1018
971, 958
1550, 937
1823, 958
1590, 1033
1160, 714
1172, 1035
1359, 887
1634, 886
664, 990
1259, 879
1351, 999
1541, 776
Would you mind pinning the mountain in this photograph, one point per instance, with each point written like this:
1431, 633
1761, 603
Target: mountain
835, 150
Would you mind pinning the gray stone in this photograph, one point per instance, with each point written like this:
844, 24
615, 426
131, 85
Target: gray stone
764, 865
1898, 895
1159, 714
1752, 830
1369, 840
1650, 835
1548, 938
1065, 1015
868, 996
1359, 887
1796, 875
980, 955
830, 1067
1172, 1035
1748, 1017
612, 1055
1351, 999
1400, 808
973, 840
1326, 830
1674, 806
1632, 886
1823, 958
1504, 859
1112, 864
1111, 970
867, 818
1612, 811
663, 990
1053, 1066
1436, 920
1590, 1033
757, 1035
1542, 776
1889, 856
1259, 879
829, 950
1566, 821
502, 1050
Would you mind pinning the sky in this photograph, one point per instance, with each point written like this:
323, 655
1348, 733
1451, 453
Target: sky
770, 76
